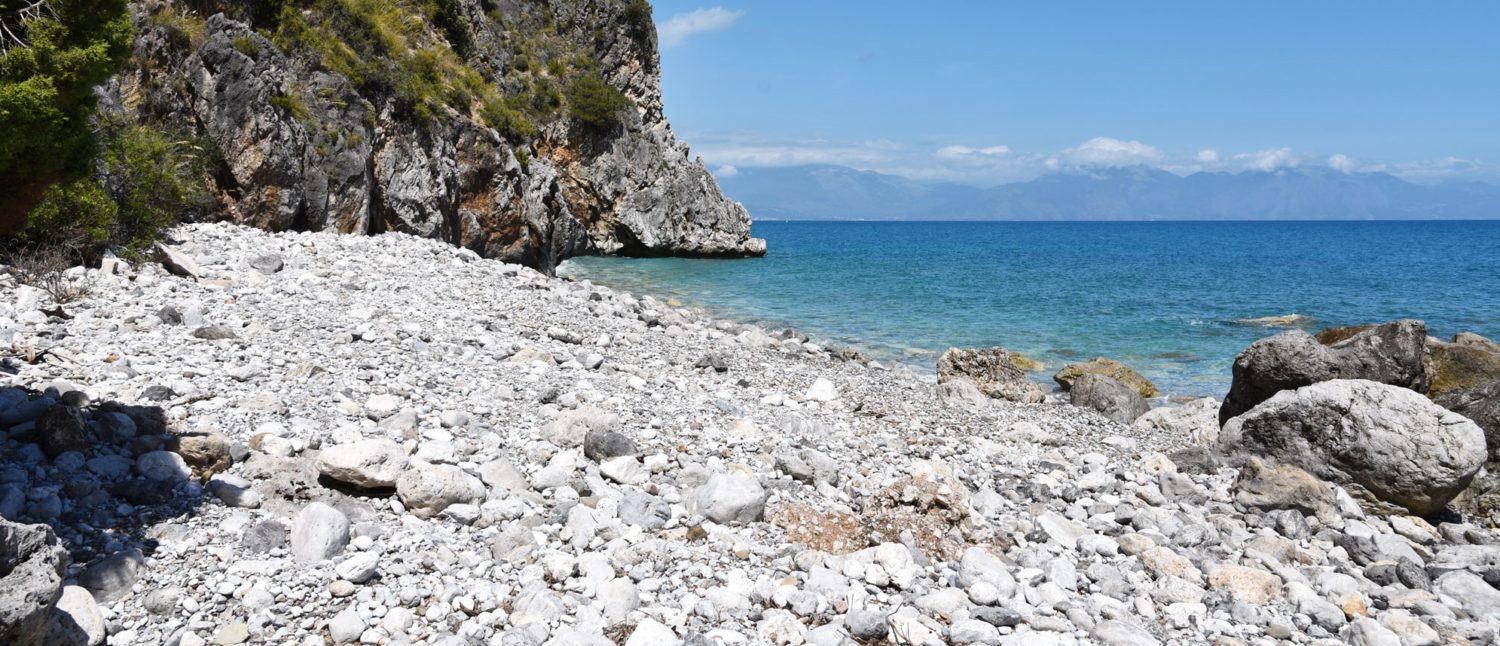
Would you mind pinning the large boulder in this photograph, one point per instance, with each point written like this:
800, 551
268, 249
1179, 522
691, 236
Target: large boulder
32, 562
1109, 368
367, 464
992, 371
1111, 397
1469, 360
1396, 444
1392, 353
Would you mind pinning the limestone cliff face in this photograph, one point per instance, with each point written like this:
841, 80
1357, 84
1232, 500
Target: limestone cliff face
298, 145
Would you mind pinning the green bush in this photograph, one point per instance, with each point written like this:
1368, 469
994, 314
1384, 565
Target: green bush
638, 16
46, 96
246, 45
155, 181
77, 216
293, 105
595, 103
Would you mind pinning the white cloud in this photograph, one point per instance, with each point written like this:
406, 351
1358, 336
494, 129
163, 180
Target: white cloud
990, 164
1268, 160
679, 27
966, 152
1108, 151
1342, 163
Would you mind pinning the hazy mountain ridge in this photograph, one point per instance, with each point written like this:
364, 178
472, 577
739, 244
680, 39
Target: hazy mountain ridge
1130, 193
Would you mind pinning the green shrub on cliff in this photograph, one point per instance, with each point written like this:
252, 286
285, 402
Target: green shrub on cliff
595, 103
51, 56
150, 181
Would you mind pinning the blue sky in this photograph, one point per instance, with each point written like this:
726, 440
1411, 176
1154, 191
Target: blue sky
989, 92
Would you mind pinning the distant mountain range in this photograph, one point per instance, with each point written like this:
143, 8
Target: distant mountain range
1131, 193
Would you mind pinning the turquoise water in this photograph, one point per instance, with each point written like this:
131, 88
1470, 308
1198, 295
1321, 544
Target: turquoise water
1160, 296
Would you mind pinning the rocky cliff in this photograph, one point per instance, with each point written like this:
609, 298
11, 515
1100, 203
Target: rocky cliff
449, 119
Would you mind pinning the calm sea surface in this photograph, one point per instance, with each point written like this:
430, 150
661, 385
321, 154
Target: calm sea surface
1160, 296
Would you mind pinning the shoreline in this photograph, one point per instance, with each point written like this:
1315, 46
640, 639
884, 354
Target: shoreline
404, 443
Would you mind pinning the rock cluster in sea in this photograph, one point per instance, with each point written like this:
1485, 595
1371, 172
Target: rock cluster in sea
307, 438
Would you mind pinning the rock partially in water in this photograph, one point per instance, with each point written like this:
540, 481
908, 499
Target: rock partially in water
1284, 320
1108, 368
1393, 442
1393, 353
992, 371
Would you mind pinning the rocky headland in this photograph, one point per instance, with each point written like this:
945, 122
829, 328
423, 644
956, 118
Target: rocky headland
525, 131
312, 438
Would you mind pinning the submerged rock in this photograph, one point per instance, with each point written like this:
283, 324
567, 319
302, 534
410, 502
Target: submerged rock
1108, 368
1393, 353
992, 371
1393, 442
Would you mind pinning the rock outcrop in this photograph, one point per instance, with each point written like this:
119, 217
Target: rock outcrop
1109, 368
302, 140
992, 371
1393, 353
1395, 443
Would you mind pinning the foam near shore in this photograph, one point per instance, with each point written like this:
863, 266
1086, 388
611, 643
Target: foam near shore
421, 446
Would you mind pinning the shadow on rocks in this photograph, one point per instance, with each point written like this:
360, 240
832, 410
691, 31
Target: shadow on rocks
85, 483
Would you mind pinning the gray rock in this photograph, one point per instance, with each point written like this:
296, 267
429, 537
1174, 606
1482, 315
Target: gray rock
177, 262
978, 565
1393, 442
163, 466
572, 427
79, 611
1197, 420
346, 626
1109, 396
1393, 353
997, 617
32, 562
61, 429
319, 532
267, 264
359, 568
1481, 404
1479, 599
961, 393
644, 510
110, 580
428, 490
214, 333
992, 371
367, 464
867, 625
602, 444
1122, 633
1279, 486
732, 497
264, 536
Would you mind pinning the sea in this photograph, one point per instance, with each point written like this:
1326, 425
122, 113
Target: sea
1167, 298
